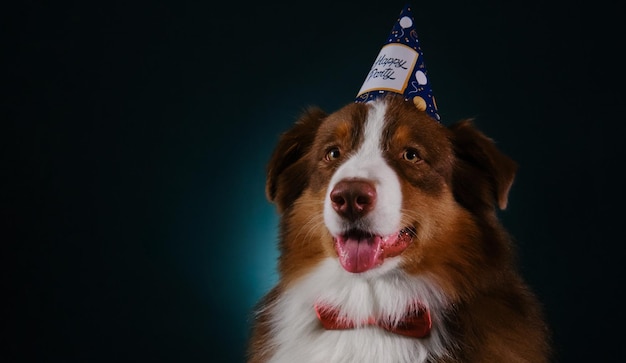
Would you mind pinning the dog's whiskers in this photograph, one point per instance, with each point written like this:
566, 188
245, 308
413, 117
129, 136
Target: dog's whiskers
309, 227
308, 202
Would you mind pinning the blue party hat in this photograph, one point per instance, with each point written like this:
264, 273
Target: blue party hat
399, 68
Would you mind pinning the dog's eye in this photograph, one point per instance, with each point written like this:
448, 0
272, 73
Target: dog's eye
332, 154
411, 155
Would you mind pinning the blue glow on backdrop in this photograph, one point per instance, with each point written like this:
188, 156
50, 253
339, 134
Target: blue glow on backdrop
260, 234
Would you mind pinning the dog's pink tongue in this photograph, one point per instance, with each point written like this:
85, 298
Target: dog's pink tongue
358, 254
361, 253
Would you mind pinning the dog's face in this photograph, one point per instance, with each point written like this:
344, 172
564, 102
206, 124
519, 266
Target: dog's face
381, 186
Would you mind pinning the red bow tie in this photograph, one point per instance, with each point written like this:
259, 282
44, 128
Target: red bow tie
415, 324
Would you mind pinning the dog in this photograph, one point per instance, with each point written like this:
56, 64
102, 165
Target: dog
390, 248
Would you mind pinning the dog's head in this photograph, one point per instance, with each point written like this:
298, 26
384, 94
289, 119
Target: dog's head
381, 184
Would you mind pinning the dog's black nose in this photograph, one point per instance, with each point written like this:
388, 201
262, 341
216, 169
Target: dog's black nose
353, 198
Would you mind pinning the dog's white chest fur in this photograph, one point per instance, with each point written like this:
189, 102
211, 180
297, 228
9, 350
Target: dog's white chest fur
299, 337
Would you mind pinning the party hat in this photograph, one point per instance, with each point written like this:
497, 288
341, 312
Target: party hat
399, 68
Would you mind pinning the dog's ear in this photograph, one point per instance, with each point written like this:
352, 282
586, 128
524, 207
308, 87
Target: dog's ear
287, 172
483, 175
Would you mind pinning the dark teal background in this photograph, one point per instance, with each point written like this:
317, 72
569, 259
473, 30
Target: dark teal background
135, 136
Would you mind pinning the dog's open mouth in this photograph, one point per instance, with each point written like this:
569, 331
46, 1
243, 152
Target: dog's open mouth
360, 251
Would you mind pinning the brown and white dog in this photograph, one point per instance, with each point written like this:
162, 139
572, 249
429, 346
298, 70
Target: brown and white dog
390, 246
